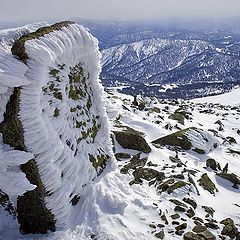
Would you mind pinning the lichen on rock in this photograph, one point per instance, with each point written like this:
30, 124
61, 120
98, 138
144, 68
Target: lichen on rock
177, 139
207, 184
132, 139
191, 138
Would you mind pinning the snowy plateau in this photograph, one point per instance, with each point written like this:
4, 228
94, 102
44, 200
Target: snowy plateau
78, 162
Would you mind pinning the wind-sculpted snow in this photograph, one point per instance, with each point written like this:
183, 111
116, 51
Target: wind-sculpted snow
13, 182
62, 115
11, 70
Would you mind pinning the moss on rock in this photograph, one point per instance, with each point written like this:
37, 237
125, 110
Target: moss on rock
18, 47
177, 185
207, 235
190, 201
132, 140
57, 95
147, 174
178, 117
178, 203
181, 227
53, 72
229, 228
160, 235
207, 183
122, 155
153, 109
33, 215
73, 109
11, 127
209, 210
177, 139
99, 162
211, 163
134, 163
230, 177
198, 150
192, 236
74, 93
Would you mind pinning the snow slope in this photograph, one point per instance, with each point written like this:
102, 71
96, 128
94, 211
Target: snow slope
231, 98
112, 209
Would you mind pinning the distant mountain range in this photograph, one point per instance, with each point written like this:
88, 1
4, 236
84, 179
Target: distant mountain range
173, 60
145, 57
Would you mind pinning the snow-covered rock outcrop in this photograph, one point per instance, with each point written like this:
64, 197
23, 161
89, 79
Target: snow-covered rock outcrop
53, 110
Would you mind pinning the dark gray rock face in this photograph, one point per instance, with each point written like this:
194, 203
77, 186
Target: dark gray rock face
132, 140
230, 177
211, 163
33, 215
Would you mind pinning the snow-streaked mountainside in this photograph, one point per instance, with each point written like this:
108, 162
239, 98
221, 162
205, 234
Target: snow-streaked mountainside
147, 60
202, 62
113, 33
175, 173
171, 61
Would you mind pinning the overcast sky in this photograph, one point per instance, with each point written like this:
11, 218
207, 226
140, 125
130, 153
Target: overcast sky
12, 10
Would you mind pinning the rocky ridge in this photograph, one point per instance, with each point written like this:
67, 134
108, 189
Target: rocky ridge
191, 165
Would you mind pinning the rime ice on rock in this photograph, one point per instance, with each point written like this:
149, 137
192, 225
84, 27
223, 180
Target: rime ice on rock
61, 114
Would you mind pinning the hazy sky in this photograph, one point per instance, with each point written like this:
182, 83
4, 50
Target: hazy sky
12, 10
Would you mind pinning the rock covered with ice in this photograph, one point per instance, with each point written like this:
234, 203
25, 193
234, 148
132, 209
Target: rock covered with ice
52, 97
